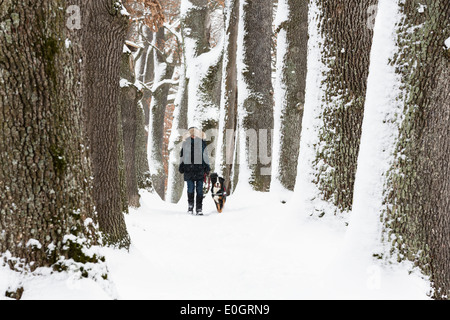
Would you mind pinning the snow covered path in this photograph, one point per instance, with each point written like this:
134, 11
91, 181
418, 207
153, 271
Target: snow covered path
257, 249
253, 251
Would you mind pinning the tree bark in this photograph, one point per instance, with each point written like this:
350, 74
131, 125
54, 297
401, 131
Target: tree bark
122, 173
346, 54
195, 27
228, 106
142, 167
145, 75
255, 105
417, 202
164, 71
145, 67
290, 91
45, 185
103, 33
148, 75
175, 179
129, 103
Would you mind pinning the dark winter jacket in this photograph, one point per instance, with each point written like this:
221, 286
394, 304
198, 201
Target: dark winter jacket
194, 160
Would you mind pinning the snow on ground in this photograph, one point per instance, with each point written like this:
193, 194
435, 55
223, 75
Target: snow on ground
258, 249
254, 251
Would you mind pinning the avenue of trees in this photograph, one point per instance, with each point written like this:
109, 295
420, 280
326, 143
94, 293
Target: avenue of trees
85, 87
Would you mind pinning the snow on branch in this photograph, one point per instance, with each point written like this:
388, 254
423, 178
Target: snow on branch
158, 85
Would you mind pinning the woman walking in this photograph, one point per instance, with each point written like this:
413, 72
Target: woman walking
194, 164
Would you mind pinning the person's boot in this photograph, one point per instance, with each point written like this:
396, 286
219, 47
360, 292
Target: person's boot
191, 197
199, 206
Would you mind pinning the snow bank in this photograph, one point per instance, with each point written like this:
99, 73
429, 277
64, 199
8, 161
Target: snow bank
45, 284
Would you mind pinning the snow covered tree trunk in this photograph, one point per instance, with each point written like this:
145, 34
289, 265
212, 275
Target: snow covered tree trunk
205, 89
129, 104
417, 212
255, 93
195, 27
103, 32
175, 185
403, 174
145, 62
292, 25
163, 71
148, 74
142, 166
122, 173
45, 185
203, 69
145, 74
228, 105
338, 66
190, 107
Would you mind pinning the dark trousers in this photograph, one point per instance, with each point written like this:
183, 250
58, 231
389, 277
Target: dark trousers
194, 186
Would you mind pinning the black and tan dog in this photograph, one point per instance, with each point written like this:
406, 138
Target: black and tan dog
218, 191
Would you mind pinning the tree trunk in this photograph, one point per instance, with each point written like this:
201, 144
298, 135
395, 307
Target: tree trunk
163, 71
45, 186
145, 75
122, 173
289, 90
175, 185
203, 71
142, 167
104, 32
345, 56
129, 103
195, 41
255, 102
417, 202
148, 75
195, 27
228, 105
145, 66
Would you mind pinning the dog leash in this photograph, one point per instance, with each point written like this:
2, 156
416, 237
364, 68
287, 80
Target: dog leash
207, 179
